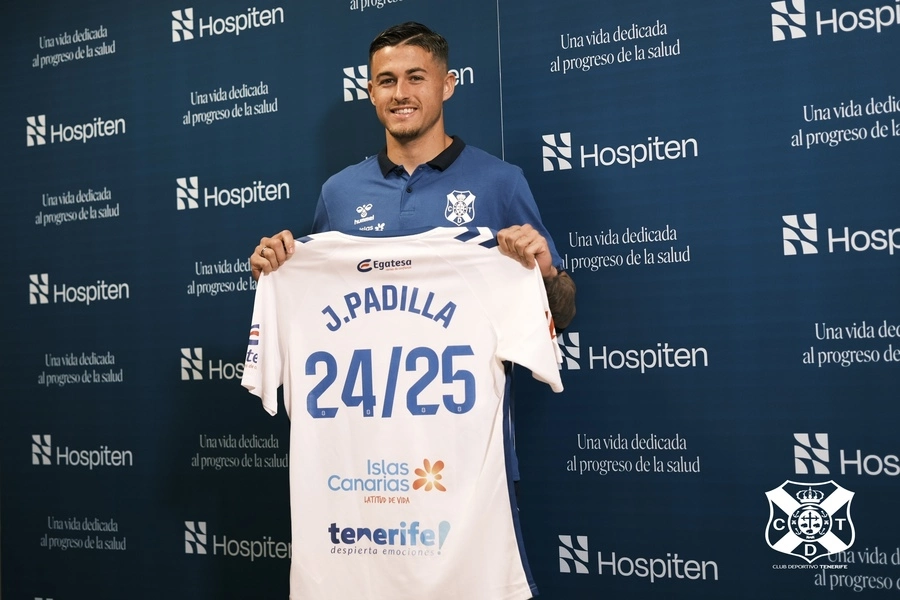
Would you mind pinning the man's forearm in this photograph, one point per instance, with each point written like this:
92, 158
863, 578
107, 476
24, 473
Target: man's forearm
561, 297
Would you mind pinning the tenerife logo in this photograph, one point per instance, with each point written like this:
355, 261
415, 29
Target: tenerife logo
575, 558
187, 194
39, 291
195, 537
429, 477
196, 541
41, 450
406, 540
558, 153
801, 236
573, 554
570, 349
809, 520
797, 235
789, 17
36, 130
192, 367
184, 27
811, 454
460, 207
42, 453
356, 83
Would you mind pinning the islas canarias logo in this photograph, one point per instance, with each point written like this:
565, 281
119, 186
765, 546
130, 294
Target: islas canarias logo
429, 476
380, 475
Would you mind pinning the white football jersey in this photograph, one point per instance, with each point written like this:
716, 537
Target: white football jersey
390, 351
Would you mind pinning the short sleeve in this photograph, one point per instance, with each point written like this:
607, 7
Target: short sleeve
264, 360
526, 335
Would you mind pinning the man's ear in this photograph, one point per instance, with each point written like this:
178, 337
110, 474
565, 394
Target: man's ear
449, 84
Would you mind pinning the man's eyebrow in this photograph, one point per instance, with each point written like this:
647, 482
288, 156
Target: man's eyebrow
407, 72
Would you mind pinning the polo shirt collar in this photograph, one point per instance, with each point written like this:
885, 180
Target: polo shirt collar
440, 162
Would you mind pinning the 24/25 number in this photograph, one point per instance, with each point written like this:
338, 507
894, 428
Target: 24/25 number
360, 372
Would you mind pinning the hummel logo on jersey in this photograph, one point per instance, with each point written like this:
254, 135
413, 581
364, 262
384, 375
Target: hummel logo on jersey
571, 350
182, 25
191, 364
789, 17
39, 289
811, 454
364, 210
557, 154
36, 130
356, 83
41, 450
800, 235
573, 554
195, 537
188, 192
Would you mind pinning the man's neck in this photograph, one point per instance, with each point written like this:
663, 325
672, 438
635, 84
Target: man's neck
411, 154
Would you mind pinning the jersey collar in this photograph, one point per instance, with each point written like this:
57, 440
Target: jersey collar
439, 162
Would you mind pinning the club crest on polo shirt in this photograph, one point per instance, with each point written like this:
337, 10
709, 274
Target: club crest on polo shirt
460, 207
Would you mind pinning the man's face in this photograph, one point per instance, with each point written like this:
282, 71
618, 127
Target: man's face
408, 88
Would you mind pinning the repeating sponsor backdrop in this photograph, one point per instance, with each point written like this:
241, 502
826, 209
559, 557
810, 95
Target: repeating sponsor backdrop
721, 180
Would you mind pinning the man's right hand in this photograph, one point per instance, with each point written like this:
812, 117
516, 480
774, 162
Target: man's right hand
271, 253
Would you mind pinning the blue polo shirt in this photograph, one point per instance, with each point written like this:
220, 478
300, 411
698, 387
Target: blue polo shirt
462, 186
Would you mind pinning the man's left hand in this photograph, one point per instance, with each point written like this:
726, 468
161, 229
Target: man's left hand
525, 244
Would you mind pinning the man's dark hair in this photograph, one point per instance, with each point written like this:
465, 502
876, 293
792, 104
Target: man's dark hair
414, 34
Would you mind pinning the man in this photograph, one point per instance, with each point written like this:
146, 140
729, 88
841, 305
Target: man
424, 177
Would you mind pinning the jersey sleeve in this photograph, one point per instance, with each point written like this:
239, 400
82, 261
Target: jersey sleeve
263, 364
524, 326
